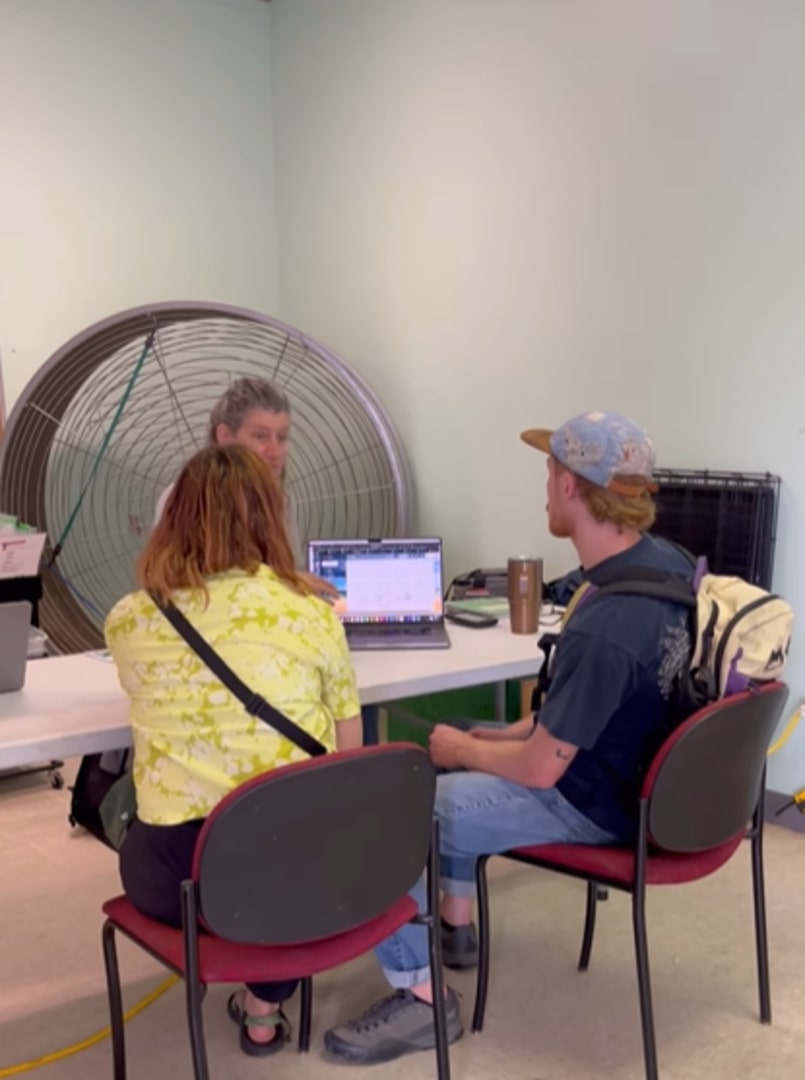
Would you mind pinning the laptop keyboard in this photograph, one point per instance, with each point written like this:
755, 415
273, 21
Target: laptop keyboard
387, 631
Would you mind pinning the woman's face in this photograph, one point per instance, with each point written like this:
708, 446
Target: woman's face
267, 433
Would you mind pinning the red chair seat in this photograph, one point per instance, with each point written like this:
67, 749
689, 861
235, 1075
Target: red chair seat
616, 865
223, 961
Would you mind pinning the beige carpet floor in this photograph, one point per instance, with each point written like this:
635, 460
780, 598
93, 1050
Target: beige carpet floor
545, 1021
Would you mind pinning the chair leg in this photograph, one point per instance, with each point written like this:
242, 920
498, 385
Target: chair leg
437, 987
644, 983
593, 893
761, 937
305, 1013
194, 989
482, 980
432, 921
195, 1022
115, 1001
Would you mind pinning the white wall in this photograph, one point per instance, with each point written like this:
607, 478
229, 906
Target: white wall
507, 212
501, 212
136, 164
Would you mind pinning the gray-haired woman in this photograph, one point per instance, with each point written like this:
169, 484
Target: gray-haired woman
257, 413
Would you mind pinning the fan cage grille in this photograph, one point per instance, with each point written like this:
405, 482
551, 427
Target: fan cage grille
347, 472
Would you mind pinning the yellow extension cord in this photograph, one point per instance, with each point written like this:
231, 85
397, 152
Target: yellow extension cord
788, 731
85, 1044
797, 800
99, 1036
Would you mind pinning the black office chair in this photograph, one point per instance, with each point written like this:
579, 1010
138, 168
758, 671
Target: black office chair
296, 872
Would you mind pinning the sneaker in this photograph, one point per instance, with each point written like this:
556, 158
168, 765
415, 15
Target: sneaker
396, 1025
459, 946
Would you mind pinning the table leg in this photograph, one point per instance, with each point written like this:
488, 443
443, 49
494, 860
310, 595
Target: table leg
500, 703
369, 716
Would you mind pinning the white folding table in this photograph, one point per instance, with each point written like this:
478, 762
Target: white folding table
73, 705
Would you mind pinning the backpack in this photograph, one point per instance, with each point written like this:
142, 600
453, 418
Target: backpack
740, 633
98, 774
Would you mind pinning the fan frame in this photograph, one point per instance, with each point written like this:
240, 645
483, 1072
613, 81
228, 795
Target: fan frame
96, 344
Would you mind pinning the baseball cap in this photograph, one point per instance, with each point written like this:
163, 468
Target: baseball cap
609, 450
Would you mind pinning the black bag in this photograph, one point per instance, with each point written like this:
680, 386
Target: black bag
104, 800
96, 774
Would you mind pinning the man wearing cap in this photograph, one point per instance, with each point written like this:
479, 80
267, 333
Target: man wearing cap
573, 774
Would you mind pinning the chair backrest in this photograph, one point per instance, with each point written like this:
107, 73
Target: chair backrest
704, 783
311, 850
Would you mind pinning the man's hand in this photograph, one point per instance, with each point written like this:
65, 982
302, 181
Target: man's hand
538, 761
446, 744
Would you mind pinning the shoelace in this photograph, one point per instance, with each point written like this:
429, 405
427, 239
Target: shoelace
378, 1013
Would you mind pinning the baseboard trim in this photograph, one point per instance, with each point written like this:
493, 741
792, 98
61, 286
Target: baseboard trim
792, 818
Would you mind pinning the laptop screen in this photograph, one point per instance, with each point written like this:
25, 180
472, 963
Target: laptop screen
382, 581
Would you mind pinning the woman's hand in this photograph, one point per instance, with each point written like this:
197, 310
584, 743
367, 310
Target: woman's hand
318, 585
349, 733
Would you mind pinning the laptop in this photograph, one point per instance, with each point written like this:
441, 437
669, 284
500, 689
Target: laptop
389, 591
15, 621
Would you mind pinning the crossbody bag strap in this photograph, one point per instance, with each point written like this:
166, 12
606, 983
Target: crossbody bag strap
254, 704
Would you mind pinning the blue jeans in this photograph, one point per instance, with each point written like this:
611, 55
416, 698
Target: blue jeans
480, 814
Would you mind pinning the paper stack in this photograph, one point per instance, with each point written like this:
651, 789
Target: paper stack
20, 548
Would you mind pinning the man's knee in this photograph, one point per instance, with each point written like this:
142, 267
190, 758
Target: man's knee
451, 792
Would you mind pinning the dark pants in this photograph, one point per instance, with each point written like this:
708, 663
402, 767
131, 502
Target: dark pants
154, 861
369, 722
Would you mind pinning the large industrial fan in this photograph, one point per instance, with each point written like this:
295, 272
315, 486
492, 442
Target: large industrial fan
105, 425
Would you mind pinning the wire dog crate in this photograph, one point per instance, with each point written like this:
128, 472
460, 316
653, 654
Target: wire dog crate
730, 517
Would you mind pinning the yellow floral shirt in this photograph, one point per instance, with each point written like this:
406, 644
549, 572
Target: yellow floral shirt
193, 741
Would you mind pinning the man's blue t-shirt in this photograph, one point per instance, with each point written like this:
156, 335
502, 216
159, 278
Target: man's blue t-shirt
613, 673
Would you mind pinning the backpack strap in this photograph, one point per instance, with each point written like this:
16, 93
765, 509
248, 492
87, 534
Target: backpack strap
694, 688
645, 581
548, 643
668, 587
578, 597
